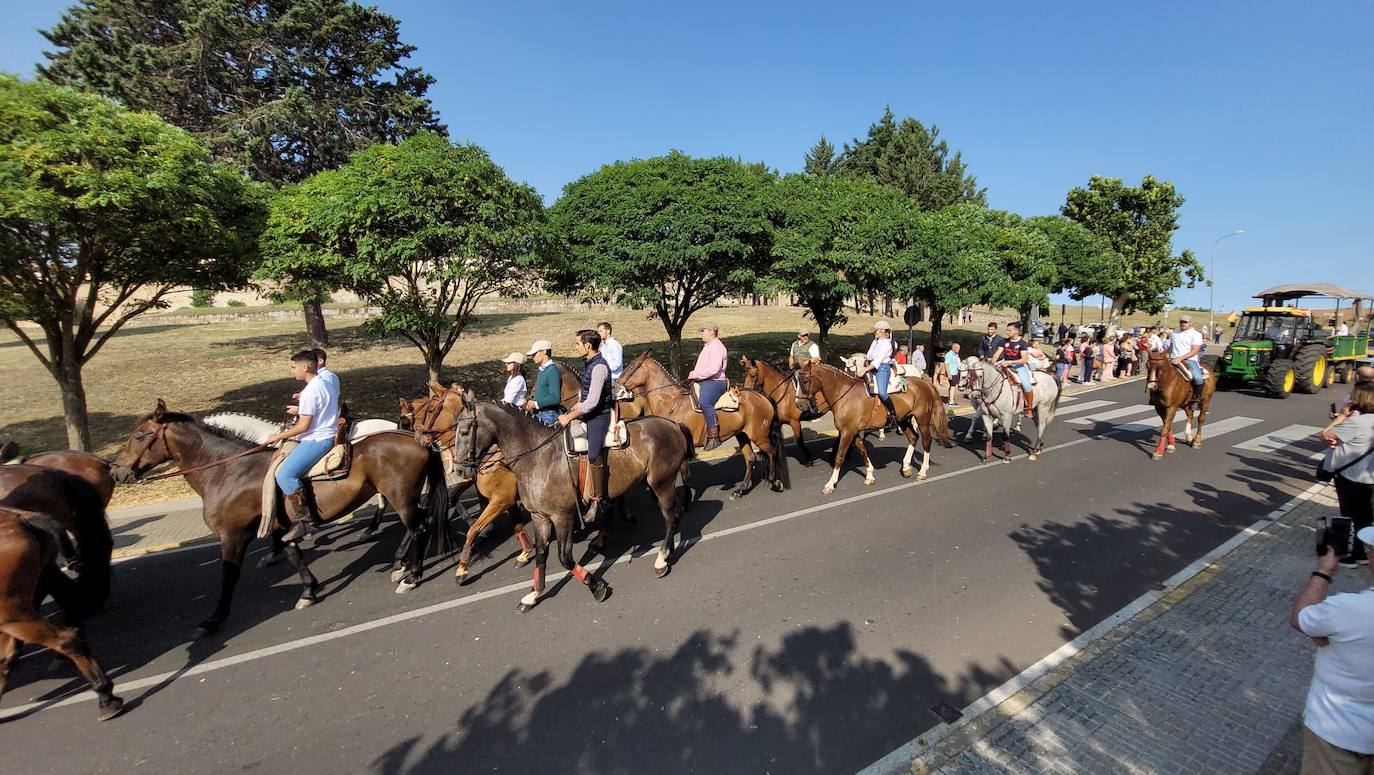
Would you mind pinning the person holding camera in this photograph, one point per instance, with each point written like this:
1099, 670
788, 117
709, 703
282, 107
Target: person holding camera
1338, 720
1350, 462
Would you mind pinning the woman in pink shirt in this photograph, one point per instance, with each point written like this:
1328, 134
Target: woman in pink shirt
710, 374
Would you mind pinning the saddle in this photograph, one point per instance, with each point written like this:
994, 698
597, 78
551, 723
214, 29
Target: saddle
575, 437
896, 383
728, 401
1187, 373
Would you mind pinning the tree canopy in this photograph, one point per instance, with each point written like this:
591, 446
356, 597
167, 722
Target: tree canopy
837, 238
912, 159
822, 160
424, 229
103, 211
1139, 223
1085, 263
671, 234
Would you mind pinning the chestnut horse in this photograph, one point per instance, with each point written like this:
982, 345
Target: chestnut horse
1169, 391
28, 563
756, 421
769, 380
227, 471
855, 412
78, 508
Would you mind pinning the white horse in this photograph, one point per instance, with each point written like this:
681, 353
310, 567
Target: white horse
996, 398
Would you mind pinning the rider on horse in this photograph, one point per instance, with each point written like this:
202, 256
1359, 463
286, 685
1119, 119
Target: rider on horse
1014, 356
709, 373
594, 409
1184, 346
803, 350
317, 418
881, 359
548, 384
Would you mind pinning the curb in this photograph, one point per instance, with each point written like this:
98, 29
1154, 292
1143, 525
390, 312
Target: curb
1027, 687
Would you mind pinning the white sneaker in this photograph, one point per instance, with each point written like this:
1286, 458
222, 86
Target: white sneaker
1085, 384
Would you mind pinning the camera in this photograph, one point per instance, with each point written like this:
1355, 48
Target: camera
1338, 533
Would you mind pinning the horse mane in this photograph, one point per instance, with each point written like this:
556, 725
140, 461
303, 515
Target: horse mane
235, 422
840, 372
213, 430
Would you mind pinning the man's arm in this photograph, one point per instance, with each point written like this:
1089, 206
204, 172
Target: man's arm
1313, 593
1194, 350
302, 425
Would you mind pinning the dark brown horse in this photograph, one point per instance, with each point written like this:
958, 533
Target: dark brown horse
657, 454
78, 507
855, 412
28, 564
769, 380
92, 468
756, 421
1169, 391
228, 472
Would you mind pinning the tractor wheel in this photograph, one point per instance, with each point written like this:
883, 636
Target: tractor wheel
1280, 379
1310, 366
1330, 375
1344, 371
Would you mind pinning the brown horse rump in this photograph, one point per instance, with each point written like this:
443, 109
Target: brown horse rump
336, 464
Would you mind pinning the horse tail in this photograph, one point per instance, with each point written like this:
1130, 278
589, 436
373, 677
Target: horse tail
1054, 405
94, 542
442, 541
779, 453
942, 431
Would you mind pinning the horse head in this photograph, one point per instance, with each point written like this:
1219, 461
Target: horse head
146, 447
635, 375
472, 437
752, 379
1153, 365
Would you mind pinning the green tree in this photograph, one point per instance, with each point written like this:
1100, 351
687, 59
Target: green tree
282, 89
103, 212
423, 229
1139, 223
1085, 263
821, 160
914, 160
835, 239
671, 234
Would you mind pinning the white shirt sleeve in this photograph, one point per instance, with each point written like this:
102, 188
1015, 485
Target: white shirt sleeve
515, 390
312, 400
1321, 620
814, 350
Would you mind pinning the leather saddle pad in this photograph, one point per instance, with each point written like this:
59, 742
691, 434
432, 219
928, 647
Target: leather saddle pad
728, 401
575, 437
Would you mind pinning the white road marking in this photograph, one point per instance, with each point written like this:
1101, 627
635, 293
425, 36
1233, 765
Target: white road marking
1086, 406
1274, 441
1112, 415
1229, 425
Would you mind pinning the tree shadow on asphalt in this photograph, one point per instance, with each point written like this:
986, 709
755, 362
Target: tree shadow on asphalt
1093, 567
812, 705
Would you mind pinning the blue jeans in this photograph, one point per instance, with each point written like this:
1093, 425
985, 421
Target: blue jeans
1061, 370
711, 391
1023, 373
1087, 370
547, 416
292, 471
882, 376
1196, 368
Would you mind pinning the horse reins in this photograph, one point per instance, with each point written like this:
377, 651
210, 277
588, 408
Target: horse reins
160, 433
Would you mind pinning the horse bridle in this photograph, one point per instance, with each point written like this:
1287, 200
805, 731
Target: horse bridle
159, 433
976, 388
786, 380
424, 431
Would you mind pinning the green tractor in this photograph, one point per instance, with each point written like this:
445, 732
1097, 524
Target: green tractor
1283, 348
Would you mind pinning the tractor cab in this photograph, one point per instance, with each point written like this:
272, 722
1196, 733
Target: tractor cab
1286, 348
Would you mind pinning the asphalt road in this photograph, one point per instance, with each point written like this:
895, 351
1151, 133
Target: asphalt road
797, 633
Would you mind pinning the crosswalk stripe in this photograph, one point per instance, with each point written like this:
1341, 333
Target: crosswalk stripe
1228, 425
1112, 415
1086, 406
1283, 437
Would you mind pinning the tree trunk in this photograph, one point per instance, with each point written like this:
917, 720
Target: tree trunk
68, 377
823, 340
675, 350
1118, 304
314, 323
434, 365
937, 323
887, 306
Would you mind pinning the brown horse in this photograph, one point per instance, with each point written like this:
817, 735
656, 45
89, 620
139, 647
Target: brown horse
769, 380
855, 412
78, 507
756, 421
1169, 391
657, 454
28, 554
227, 472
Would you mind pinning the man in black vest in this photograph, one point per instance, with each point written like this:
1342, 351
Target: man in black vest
594, 409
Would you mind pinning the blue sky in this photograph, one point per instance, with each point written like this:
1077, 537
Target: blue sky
1262, 113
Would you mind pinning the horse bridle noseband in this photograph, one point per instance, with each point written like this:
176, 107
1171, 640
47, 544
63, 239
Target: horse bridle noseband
159, 432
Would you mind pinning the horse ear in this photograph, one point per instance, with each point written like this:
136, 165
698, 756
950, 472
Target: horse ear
160, 410
435, 388
469, 398
405, 406
455, 386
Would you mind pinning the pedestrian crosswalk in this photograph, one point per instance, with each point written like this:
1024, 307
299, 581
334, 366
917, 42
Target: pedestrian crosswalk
1288, 436
1102, 417
1086, 406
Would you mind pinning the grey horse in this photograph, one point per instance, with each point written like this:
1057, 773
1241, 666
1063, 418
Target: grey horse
995, 397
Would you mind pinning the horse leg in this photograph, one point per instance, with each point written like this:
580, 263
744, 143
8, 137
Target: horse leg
868, 464
310, 585
398, 560
671, 509
841, 451
414, 564
542, 528
927, 438
231, 551
1201, 418
987, 431
526, 546
747, 483
488, 515
9, 649
1166, 420
69, 642
806, 457
599, 589
974, 423
275, 553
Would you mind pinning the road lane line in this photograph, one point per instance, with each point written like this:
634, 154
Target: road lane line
1229, 425
1112, 415
1288, 436
1086, 406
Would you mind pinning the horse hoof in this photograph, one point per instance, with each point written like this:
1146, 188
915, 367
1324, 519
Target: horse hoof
207, 627
521, 562
1157, 456
405, 586
1197, 445
808, 463
906, 473
1006, 460
1032, 456
920, 477
870, 482
736, 495
601, 591
268, 560
110, 708
826, 490
1170, 448
397, 575
521, 608
304, 602
663, 571
776, 487
459, 574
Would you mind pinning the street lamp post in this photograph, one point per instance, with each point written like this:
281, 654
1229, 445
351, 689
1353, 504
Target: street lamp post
1212, 281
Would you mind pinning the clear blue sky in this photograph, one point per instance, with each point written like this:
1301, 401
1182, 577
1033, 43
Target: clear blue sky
1262, 113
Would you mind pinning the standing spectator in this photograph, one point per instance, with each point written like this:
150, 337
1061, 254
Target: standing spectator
1086, 355
1063, 359
1108, 358
1351, 459
1338, 720
952, 366
903, 356
918, 359
1063, 331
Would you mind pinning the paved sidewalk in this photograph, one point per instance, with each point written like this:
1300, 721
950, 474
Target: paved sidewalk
1207, 678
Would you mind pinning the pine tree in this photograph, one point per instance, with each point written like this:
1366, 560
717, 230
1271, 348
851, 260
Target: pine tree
821, 160
914, 160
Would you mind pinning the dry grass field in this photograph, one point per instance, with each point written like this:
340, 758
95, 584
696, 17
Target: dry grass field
204, 368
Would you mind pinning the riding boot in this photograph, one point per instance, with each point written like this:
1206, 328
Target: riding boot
300, 508
1197, 393
1030, 402
891, 414
596, 489
712, 438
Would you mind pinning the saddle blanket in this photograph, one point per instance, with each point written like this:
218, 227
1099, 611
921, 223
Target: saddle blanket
328, 468
575, 437
896, 383
1187, 373
728, 401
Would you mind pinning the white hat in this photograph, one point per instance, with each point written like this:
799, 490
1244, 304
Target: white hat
539, 344
514, 358
882, 325
1184, 319
1366, 534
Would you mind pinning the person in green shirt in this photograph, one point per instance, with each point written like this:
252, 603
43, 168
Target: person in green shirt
548, 385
